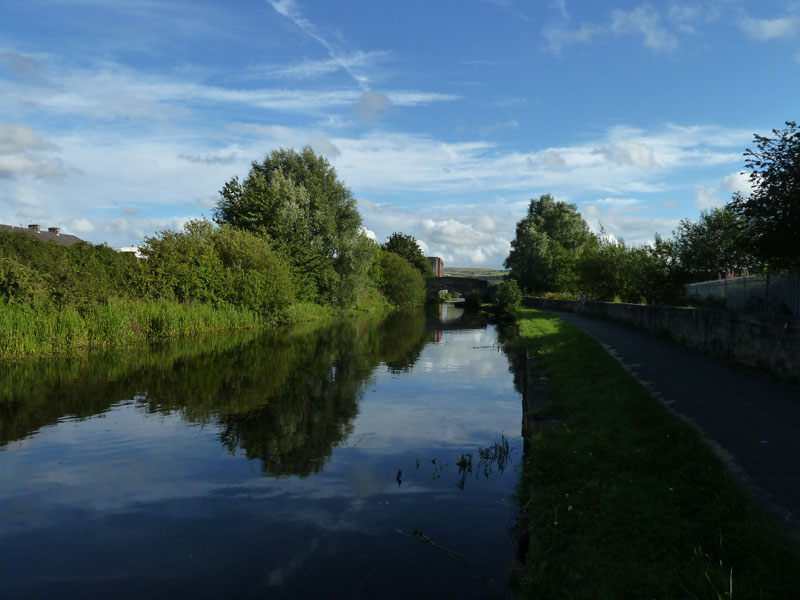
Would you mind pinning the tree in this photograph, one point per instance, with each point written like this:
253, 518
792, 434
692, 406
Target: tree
547, 244
509, 297
400, 282
312, 218
406, 247
772, 211
714, 245
612, 270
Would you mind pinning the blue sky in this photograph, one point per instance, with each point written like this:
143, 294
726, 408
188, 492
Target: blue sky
120, 118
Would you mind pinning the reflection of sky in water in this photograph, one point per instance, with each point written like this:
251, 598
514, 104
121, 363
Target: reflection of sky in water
133, 504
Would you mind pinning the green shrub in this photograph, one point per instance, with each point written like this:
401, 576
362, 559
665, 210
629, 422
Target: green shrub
509, 297
21, 284
401, 283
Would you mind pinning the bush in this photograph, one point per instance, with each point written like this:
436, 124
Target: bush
509, 297
220, 266
254, 276
400, 282
21, 284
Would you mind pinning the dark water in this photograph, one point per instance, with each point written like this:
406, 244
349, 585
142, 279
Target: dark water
300, 465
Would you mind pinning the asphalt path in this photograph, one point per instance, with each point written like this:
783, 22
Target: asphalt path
752, 421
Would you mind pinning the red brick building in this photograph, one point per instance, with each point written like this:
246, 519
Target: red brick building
436, 264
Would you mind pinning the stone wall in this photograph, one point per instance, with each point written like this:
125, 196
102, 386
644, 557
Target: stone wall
767, 342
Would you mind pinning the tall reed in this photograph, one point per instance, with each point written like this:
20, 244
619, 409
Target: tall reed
25, 331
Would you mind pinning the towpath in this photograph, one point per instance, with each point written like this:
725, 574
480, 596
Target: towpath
753, 420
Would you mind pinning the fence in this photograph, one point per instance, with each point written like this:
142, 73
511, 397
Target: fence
752, 293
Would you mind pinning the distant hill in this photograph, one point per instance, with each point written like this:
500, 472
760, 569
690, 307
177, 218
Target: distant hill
492, 275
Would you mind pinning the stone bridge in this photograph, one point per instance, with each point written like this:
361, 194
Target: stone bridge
462, 285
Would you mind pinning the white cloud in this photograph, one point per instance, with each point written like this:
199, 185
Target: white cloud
558, 37
738, 182
80, 225
213, 159
139, 228
618, 202
316, 68
622, 161
471, 237
207, 201
488, 130
769, 29
452, 232
324, 146
111, 91
17, 142
369, 233
289, 9
548, 159
15, 137
706, 197
645, 21
629, 153
371, 105
687, 17
635, 230
22, 164
26, 66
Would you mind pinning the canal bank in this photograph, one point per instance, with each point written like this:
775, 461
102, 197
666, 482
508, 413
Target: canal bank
621, 499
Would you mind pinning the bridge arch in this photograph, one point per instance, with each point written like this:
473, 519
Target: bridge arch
462, 285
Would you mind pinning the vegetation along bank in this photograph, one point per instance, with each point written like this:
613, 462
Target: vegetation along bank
554, 253
287, 245
621, 499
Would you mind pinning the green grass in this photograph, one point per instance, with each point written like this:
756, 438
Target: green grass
622, 499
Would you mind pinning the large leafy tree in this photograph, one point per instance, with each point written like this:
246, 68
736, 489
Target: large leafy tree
406, 247
311, 217
772, 210
547, 244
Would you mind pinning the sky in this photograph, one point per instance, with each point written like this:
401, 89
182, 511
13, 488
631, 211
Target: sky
123, 118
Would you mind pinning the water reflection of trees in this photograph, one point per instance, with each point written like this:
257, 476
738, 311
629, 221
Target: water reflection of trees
517, 353
285, 398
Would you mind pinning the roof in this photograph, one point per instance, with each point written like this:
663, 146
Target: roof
45, 236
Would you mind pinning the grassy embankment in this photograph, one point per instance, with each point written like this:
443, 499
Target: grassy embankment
622, 499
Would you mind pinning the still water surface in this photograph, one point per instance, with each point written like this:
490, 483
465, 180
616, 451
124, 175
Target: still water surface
319, 463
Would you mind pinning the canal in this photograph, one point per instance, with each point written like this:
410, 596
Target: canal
361, 459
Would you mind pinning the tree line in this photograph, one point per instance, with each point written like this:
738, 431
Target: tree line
289, 233
286, 244
554, 251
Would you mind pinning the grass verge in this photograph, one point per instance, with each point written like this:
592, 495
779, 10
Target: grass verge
622, 499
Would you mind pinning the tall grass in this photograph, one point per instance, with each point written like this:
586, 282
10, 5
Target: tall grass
26, 331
